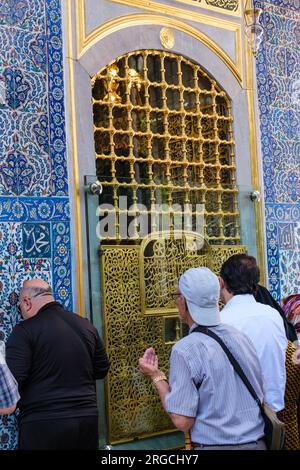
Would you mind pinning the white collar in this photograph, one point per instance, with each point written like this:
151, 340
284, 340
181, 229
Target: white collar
240, 299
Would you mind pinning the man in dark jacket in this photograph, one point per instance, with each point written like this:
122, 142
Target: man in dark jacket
56, 357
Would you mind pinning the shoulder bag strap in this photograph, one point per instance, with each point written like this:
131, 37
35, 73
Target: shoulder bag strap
233, 361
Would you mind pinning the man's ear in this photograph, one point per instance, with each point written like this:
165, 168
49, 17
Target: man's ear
222, 283
27, 302
183, 302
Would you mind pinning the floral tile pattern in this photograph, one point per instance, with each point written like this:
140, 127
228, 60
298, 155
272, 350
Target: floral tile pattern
278, 77
34, 206
31, 98
289, 271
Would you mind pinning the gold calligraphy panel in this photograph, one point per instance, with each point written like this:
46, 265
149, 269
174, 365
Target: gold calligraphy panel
162, 261
223, 6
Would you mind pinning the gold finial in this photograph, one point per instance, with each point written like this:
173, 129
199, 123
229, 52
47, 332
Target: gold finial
134, 79
167, 38
112, 84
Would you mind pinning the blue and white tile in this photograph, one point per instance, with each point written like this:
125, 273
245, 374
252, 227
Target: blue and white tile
8, 433
32, 209
289, 272
287, 181
36, 240
286, 234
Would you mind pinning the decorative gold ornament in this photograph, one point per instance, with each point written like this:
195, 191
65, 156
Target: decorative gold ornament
112, 84
167, 38
134, 79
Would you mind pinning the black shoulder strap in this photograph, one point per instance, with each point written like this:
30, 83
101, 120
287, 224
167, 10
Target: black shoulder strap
233, 361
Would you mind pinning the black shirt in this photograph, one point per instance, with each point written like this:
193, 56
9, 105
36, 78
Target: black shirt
56, 356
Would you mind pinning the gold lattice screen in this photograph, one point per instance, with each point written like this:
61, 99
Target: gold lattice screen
133, 409
163, 135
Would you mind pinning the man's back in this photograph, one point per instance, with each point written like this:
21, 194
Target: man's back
264, 327
225, 411
56, 357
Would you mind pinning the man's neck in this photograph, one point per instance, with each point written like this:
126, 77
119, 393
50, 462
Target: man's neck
226, 296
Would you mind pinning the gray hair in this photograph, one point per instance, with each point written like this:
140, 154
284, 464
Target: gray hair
34, 291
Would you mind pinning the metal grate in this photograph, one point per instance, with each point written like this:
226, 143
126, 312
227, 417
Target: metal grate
163, 135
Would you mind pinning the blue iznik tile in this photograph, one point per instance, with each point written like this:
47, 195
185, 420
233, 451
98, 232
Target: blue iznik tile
273, 257
272, 27
33, 167
25, 168
289, 272
8, 433
279, 95
13, 12
65, 298
61, 246
17, 88
34, 209
36, 240
286, 4
24, 49
286, 236
292, 61
276, 59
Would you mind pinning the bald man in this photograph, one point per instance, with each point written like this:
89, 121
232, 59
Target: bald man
56, 356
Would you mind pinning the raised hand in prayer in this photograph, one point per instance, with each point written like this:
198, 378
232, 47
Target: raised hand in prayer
148, 363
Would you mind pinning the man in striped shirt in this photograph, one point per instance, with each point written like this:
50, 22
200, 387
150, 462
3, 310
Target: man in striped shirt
205, 395
9, 394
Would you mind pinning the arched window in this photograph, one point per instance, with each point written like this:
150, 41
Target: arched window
163, 136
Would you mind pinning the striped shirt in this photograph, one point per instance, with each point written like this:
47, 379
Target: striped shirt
9, 394
205, 386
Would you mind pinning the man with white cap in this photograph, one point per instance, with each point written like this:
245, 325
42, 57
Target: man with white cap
205, 394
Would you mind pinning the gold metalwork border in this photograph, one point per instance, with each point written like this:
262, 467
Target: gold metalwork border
85, 42
259, 215
78, 224
205, 6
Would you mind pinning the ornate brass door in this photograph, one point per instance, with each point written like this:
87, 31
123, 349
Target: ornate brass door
163, 136
139, 312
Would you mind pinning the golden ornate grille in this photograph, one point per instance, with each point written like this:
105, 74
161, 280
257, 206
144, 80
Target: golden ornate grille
133, 409
162, 261
163, 135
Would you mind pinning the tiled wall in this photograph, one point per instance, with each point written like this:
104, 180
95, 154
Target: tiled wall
278, 75
34, 203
